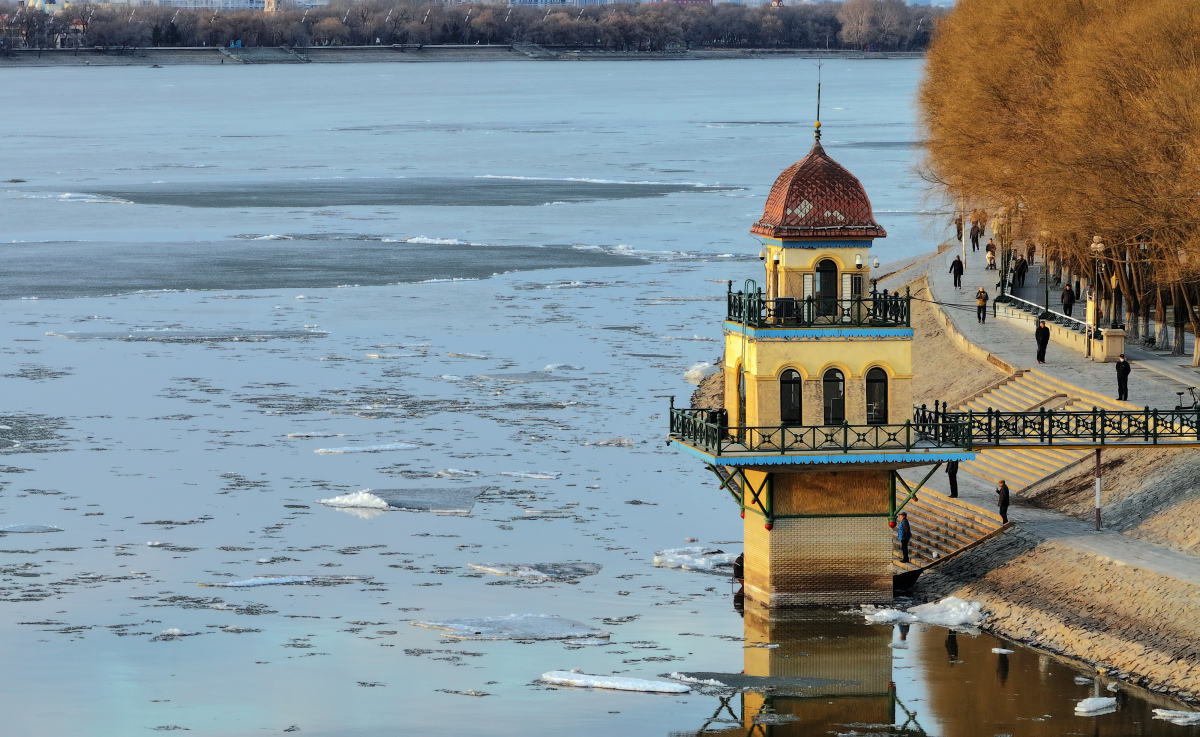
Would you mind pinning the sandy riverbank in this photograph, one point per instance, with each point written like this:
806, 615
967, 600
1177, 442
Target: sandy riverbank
403, 54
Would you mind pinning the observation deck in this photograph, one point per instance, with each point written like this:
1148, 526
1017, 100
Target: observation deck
754, 311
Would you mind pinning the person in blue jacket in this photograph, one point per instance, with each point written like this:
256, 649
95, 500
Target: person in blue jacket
905, 536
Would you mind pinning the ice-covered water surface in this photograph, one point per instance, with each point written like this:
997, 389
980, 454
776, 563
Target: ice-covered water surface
206, 448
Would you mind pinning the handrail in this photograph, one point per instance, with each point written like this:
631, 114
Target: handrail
705, 429
877, 310
1073, 323
1097, 426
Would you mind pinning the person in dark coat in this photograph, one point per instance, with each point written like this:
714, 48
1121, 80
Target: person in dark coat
956, 268
1042, 336
1002, 492
952, 474
958, 228
1020, 269
905, 536
981, 300
1123, 369
976, 231
1068, 300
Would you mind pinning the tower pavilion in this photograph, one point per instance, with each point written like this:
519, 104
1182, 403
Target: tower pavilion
818, 401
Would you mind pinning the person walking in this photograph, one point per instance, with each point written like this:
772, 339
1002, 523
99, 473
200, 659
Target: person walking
981, 300
990, 252
1042, 336
1002, 492
1123, 369
1030, 250
976, 231
1020, 269
1068, 300
956, 268
952, 475
905, 536
958, 225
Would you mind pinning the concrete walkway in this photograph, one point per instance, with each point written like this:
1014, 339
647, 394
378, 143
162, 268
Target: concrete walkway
1156, 379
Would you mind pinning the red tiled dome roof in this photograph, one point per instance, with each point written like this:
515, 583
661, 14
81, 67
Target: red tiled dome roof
815, 197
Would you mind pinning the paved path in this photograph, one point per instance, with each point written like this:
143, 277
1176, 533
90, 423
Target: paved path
1156, 379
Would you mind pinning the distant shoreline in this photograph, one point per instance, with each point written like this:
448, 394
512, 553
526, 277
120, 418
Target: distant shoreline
170, 56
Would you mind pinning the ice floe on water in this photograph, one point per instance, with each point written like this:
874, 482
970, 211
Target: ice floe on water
513, 627
1002, 651
615, 443
699, 371
314, 435
455, 473
469, 355
539, 571
523, 377
541, 475
1096, 706
260, 581
695, 558
367, 448
1182, 718
191, 336
615, 683
949, 612
29, 528
445, 501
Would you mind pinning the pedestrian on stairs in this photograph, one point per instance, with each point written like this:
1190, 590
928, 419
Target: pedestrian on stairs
952, 474
1042, 336
905, 536
1002, 492
1123, 369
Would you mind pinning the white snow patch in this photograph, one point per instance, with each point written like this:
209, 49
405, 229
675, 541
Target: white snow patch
699, 371
260, 581
696, 681
950, 612
694, 558
1096, 706
1182, 718
513, 627
616, 683
890, 616
359, 499
367, 448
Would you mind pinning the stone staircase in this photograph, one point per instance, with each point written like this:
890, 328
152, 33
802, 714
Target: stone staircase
941, 526
1029, 391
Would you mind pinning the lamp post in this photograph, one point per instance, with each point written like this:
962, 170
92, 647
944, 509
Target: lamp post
1000, 226
1091, 316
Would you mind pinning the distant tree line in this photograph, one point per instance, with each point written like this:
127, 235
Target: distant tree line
883, 25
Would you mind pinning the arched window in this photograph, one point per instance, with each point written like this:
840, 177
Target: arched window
877, 397
827, 288
789, 398
834, 385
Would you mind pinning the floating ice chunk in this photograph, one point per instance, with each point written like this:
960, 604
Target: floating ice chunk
455, 473
361, 512
524, 377
699, 371
616, 442
539, 571
30, 528
684, 678
156, 544
562, 367
459, 500
950, 612
310, 435
1083, 681
548, 512
694, 558
890, 616
1182, 718
367, 448
360, 499
175, 632
260, 581
513, 627
273, 238
191, 336
1096, 706
469, 355
588, 641
450, 377
616, 683
1002, 651
542, 475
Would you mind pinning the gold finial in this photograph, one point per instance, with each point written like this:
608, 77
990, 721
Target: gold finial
817, 130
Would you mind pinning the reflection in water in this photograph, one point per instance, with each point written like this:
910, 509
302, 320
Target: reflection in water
816, 672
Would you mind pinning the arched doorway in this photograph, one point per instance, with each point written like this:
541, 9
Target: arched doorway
877, 397
834, 386
827, 288
790, 386
741, 398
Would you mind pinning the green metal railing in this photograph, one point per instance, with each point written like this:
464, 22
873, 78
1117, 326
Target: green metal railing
750, 308
1046, 427
704, 429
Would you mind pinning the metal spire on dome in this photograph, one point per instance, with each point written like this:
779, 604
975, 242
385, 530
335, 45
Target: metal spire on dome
817, 125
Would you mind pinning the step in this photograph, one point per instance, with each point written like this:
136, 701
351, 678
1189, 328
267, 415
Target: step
1012, 463
999, 469
960, 507
1087, 395
953, 525
968, 519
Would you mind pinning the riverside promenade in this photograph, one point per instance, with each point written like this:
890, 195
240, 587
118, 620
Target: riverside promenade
1154, 382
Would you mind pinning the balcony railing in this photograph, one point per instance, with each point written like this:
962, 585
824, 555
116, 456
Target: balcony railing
1097, 427
1058, 318
877, 310
704, 429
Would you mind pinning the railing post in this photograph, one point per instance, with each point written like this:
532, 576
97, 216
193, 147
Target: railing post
907, 435
1050, 427
907, 307
845, 436
1094, 410
1155, 415
1102, 427
1042, 424
1146, 427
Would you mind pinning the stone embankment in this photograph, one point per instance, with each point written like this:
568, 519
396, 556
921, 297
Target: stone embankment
396, 53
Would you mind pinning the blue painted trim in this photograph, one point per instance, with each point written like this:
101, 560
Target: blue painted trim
814, 244
814, 333
933, 455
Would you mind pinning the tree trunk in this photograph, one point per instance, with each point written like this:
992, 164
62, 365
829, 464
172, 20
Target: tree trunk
1177, 310
1163, 337
1195, 322
1147, 334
